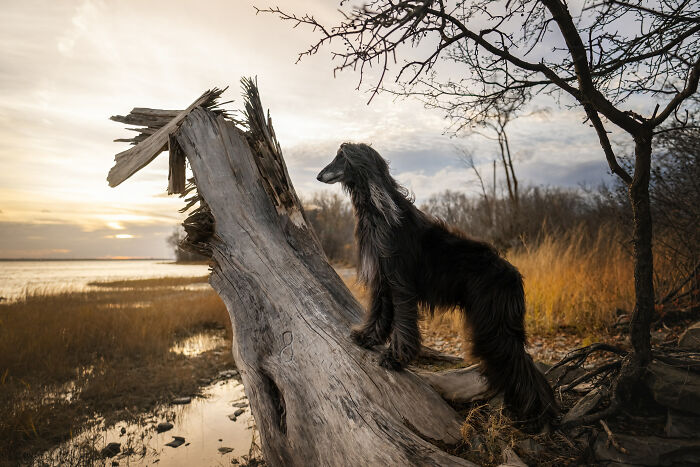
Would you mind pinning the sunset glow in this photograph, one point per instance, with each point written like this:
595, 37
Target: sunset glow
68, 66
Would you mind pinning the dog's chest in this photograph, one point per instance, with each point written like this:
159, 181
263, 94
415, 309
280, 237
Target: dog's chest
374, 241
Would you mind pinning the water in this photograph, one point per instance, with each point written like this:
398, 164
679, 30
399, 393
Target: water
211, 437
70, 276
199, 343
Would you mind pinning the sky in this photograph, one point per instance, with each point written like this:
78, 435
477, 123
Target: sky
66, 66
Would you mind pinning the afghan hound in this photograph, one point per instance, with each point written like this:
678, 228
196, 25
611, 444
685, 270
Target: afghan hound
408, 258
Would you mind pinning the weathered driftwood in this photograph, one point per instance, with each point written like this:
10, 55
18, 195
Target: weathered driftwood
459, 385
317, 398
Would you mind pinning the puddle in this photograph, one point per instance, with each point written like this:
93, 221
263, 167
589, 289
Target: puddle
197, 344
204, 424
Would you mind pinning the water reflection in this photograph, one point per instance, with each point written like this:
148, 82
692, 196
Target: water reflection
197, 344
16, 277
212, 435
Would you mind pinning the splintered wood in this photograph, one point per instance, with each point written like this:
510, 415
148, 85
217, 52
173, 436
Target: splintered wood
134, 159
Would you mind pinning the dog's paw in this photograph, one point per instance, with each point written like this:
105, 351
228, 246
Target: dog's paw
364, 339
387, 360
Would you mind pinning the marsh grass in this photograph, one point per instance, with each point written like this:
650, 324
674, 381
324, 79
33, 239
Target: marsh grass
68, 357
152, 283
575, 281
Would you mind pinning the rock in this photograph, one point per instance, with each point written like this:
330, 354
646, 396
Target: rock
680, 425
529, 447
460, 385
690, 339
164, 426
648, 450
584, 406
177, 441
511, 459
240, 404
182, 400
225, 450
111, 450
232, 417
228, 374
674, 387
238, 412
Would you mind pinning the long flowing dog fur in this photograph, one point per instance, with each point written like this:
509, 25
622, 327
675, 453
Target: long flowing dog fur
407, 258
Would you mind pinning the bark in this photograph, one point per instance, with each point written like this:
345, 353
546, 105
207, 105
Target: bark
640, 322
317, 398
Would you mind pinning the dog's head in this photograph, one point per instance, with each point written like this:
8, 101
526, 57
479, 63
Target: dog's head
353, 164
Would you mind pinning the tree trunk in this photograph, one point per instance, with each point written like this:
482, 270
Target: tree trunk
317, 398
643, 257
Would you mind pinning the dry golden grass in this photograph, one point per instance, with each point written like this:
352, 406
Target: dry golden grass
154, 282
49, 336
111, 347
575, 281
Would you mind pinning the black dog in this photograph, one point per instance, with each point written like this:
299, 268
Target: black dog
408, 258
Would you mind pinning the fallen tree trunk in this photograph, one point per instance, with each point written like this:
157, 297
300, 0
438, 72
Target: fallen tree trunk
317, 398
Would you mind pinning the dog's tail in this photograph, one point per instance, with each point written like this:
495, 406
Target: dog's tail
498, 333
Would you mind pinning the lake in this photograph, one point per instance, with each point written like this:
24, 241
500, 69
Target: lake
16, 277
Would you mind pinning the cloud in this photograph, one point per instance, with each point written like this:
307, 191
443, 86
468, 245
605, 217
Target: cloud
67, 66
84, 15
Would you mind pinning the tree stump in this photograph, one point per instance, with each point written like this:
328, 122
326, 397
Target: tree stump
317, 398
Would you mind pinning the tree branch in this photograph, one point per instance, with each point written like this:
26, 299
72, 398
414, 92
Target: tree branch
691, 88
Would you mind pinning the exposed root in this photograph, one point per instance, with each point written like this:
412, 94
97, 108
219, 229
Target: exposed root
605, 374
599, 373
579, 356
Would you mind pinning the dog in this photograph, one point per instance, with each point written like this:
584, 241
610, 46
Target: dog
408, 258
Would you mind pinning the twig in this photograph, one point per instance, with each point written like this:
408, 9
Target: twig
611, 438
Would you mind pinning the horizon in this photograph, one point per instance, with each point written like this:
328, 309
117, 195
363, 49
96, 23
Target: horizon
70, 65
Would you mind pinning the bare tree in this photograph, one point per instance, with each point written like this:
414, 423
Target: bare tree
495, 125
597, 54
467, 158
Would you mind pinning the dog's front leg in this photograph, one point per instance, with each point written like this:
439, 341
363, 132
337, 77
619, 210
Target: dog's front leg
405, 335
377, 326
